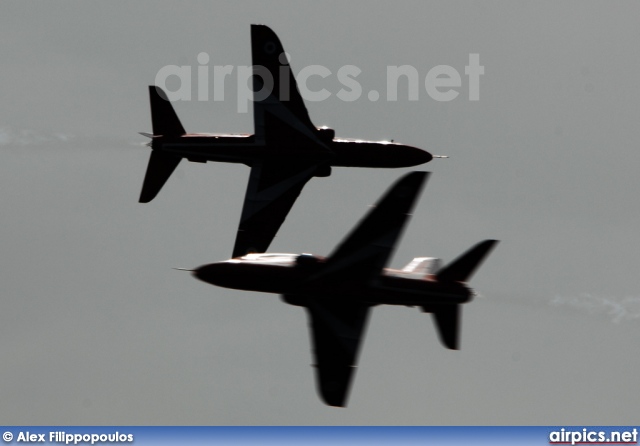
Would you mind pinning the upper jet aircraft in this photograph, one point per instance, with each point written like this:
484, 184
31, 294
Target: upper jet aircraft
338, 291
285, 152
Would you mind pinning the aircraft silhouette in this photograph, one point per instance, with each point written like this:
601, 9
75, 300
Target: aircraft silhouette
285, 152
339, 290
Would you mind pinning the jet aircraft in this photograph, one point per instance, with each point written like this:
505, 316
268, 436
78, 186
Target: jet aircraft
338, 291
285, 152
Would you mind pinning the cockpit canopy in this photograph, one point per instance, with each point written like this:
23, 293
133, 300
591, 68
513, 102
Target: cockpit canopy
307, 259
326, 134
280, 259
283, 259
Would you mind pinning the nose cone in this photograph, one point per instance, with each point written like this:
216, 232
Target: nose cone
401, 155
214, 273
417, 156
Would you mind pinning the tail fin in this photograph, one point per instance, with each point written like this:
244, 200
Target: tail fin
421, 267
161, 165
462, 268
164, 120
447, 316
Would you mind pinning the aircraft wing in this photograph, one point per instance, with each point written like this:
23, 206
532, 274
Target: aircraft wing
364, 252
281, 121
272, 190
276, 93
336, 329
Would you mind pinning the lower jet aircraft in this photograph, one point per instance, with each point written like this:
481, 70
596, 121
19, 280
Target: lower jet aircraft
285, 152
338, 291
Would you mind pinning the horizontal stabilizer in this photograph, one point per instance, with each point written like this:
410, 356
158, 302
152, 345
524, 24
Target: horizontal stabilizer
164, 120
161, 166
461, 269
447, 320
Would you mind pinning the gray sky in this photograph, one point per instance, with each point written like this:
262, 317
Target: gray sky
96, 328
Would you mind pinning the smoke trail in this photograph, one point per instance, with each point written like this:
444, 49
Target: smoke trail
24, 137
619, 309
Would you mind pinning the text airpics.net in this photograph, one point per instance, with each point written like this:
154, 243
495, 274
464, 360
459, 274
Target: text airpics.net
591, 436
440, 82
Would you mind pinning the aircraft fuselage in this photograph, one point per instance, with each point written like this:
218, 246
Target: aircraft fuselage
246, 149
296, 281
